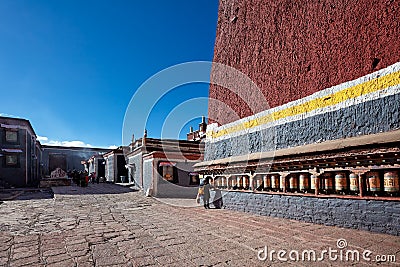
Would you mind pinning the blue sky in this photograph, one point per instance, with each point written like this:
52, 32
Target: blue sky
72, 67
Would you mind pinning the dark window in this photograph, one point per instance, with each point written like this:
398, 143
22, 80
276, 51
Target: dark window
11, 136
12, 160
169, 172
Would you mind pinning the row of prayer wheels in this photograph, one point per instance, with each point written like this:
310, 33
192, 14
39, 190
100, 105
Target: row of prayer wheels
374, 182
233, 182
342, 182
390, 182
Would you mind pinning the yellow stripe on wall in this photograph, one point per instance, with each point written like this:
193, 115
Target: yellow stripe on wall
355, 91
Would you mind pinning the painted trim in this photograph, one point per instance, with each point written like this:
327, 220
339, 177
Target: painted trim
337, 144
372, 86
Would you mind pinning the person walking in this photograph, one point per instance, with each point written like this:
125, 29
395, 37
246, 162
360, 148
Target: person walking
200, 193
206, 193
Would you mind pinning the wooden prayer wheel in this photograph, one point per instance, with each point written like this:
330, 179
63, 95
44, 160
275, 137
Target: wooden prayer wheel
313, 182
374, 183
275, 182
354, 182
267, 182
293, 182
304, 183
340, 182
391, 181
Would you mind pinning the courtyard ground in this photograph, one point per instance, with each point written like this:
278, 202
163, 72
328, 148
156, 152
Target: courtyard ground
110, 225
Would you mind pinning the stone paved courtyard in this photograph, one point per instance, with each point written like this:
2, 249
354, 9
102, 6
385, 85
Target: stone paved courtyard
109, 225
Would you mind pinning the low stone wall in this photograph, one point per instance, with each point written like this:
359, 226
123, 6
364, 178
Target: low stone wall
55, 182
371, 215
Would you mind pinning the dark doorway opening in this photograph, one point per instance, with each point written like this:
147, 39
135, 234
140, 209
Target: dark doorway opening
57, 161
122, 171
101, 168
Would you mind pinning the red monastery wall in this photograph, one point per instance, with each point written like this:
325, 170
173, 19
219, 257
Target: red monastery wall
292, 49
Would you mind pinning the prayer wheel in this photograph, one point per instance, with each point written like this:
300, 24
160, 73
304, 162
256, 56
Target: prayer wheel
340, 182
259, 183
267, 182
223, 182
275, 182
282, 182
354, 182
219, 185
374, 183
245, 182
313, 182
232, 182
239, 183
328, 182
293, 182
304, 184
391, 181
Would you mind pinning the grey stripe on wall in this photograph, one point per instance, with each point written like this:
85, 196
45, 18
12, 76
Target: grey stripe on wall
380, 115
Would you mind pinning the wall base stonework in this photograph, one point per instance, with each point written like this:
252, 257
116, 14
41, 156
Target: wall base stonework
375, 216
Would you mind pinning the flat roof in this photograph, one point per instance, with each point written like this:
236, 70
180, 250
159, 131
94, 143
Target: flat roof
25, 121
76, 148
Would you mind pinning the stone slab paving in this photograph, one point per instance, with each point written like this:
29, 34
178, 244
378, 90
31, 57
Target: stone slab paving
109, 225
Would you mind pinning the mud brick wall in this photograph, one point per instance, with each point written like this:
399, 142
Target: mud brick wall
376, 216
328, 69
292, 49
147, 175
136, 172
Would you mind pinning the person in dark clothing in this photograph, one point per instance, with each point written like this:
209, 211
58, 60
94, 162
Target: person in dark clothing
206, 196
217, 202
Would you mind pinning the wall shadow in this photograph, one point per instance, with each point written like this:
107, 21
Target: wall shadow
26, 194
92, 189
